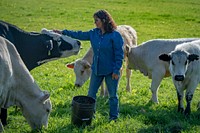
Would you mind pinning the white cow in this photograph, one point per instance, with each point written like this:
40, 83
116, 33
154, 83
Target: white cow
145, 59
82, 66
17, 87
184, 66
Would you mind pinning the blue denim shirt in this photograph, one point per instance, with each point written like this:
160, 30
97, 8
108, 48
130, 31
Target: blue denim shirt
108, 49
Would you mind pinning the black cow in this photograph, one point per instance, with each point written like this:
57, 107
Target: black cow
36, 48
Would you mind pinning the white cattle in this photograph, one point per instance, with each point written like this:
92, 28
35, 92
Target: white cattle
184, 66
17, 87
145, 59
82, 66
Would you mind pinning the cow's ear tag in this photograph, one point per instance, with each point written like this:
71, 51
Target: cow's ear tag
70, 65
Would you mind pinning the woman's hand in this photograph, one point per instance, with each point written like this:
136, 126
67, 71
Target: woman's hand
58, 31
115, 76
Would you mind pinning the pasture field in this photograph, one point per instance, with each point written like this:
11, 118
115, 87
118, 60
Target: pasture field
151, 19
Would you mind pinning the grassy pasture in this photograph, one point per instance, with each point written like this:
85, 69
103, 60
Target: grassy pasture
151, 19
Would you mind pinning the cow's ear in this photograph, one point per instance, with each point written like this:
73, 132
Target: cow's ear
70, 65
44, 97
87, 66
165, 57
51, 33
128, 49
193, 57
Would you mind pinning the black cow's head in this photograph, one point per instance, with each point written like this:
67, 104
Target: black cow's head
63, 45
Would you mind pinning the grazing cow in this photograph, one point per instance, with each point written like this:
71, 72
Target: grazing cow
36, 48
184, 66
17, 87
145, 59
82, 66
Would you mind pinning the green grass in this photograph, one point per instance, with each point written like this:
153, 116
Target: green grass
151, 19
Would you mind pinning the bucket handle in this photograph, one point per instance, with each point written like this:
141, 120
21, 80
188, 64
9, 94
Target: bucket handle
85, 119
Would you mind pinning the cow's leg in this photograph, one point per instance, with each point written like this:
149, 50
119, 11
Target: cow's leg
3, 116
198, 106
128, 76
188, 100
155, 83
106, 94
1, 127
180, 95
103, 91
189, 95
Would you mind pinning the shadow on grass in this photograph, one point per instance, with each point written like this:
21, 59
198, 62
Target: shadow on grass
160, 119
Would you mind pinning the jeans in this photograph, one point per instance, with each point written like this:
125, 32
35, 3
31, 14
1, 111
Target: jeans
112, 86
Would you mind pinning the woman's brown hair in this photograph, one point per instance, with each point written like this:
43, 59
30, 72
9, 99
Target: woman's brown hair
107, 20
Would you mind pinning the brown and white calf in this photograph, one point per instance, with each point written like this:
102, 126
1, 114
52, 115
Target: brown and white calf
17, 87
82, 66
184, 66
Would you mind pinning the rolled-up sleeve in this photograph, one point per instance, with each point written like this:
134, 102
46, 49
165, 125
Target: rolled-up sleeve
118, 52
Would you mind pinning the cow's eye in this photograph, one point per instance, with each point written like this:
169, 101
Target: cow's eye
172, 63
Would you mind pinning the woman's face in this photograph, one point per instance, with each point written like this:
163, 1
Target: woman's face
98, 22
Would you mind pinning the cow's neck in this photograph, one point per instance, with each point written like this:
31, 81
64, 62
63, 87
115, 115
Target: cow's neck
88, 56
32, 50
19, 82
26, 91
24, 85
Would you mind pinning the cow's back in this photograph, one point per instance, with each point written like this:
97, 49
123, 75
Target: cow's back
150, 50
129, 35
145, 56
16, 35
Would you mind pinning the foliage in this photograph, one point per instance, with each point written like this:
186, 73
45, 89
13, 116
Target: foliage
151, 19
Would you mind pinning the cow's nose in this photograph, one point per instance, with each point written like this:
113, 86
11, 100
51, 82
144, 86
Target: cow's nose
77, 85
179, 77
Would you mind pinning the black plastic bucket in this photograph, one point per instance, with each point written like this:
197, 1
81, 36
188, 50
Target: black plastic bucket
83, 108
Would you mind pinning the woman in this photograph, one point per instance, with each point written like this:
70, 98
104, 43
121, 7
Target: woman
107, 45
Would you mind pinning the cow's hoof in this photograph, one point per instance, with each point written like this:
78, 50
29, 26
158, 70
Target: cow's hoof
153, 101
187, 113
128, 89
181, 110
150, 103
